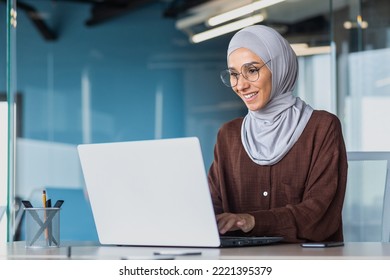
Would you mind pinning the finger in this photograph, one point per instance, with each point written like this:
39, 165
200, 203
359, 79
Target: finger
221, 216
222, 222
230, 225
223, 219
245, 224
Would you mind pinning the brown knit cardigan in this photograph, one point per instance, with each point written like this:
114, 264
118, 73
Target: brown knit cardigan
300, 198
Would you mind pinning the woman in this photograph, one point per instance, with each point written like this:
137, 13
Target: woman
282, 169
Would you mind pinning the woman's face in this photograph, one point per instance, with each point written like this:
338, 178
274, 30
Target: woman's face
254, 94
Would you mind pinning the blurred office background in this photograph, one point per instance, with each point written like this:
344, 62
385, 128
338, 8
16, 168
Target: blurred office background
89, 71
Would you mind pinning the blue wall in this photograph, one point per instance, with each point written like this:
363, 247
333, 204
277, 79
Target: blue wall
127, 60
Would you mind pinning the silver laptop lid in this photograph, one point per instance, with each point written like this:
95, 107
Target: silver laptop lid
150, 193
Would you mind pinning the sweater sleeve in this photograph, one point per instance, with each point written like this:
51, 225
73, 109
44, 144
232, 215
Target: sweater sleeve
213, 180
221, 174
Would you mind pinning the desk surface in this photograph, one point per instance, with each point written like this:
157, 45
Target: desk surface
352, 250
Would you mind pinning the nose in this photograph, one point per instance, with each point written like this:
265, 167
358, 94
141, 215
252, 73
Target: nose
242, 83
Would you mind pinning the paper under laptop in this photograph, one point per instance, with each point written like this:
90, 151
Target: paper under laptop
152, 193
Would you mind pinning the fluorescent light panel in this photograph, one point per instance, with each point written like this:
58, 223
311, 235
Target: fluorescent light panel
218, 31
242, 11
201, 13
190, 21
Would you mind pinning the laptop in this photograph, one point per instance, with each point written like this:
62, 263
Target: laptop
153, 193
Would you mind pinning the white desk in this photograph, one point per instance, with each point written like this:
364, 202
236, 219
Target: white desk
351, 251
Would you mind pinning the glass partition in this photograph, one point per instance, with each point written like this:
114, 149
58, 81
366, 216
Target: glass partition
362, 33
8, 109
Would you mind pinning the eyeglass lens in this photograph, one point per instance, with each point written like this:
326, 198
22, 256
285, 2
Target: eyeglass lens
249, 71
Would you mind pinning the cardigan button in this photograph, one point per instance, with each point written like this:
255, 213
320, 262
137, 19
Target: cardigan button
265, 193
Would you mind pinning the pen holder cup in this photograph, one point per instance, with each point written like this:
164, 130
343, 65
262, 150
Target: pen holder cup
42, 227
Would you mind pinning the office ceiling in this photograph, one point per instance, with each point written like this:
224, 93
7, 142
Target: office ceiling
291, 16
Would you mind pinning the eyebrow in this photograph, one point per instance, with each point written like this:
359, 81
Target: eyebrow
252, 62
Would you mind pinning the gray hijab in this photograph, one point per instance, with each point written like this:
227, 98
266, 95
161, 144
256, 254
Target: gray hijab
269, 133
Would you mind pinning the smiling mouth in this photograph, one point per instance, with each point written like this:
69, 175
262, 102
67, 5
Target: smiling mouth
249, 96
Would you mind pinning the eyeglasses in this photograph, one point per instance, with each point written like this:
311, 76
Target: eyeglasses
249, 71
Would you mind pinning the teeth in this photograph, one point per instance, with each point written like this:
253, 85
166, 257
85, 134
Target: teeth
249, 95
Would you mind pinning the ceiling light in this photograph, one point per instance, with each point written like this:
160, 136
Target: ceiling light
359, 23
350, 24
202, 12
304, 49
347, 24
242, 11
211, 33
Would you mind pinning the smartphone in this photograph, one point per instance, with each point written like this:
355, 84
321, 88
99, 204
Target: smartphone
322, 244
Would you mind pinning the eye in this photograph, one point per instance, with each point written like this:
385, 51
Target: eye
251, 70
234, 74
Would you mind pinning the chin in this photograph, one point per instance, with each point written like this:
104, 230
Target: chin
253, 107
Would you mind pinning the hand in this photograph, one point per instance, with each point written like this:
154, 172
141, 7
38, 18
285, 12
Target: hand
229, 222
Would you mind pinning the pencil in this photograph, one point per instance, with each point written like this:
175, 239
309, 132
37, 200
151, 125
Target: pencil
44, 199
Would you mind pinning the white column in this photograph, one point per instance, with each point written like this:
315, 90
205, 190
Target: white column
3, 167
